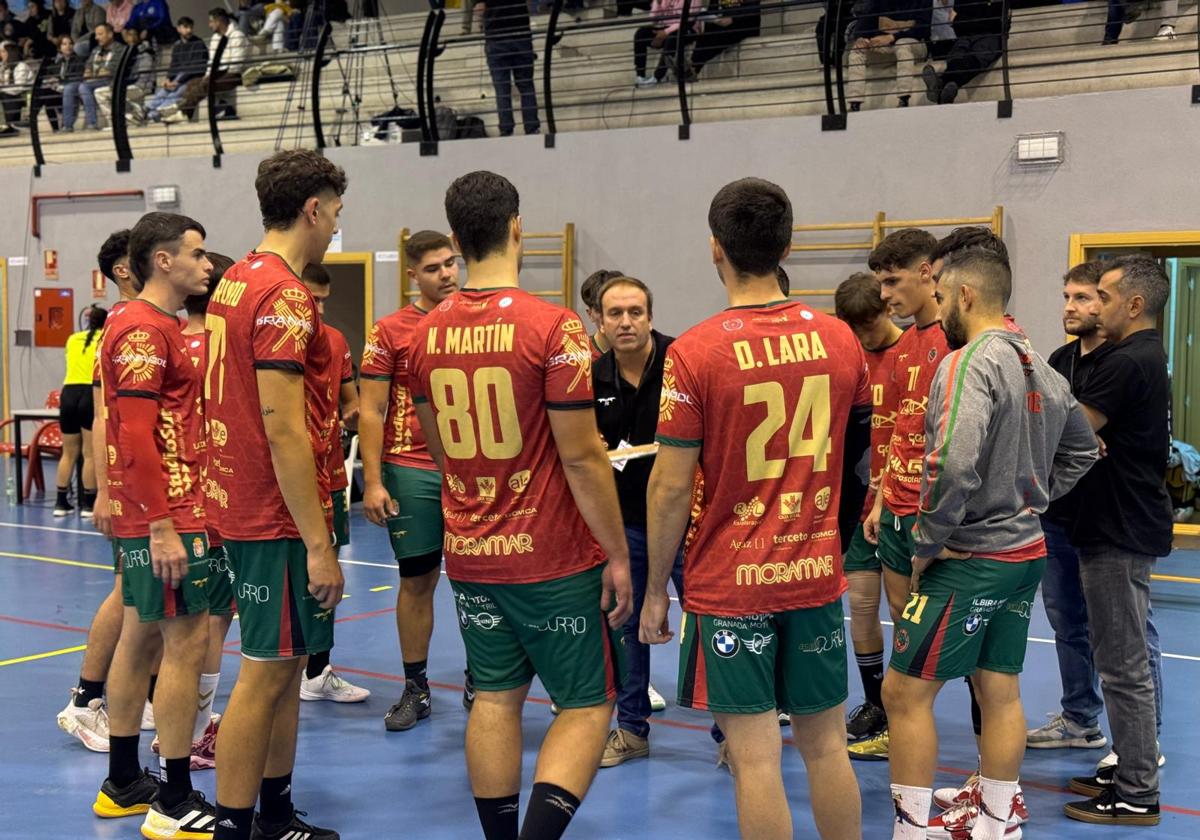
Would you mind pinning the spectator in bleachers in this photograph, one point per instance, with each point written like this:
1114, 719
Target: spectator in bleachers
153, 19
117, 14
61, 15
888, 31
728, 23
1121, 12
189, 60
87, 17
15, 80
979, 26
11, 27
141, 78
274, 28
941, 29
98, 72
226, 76
510, 56
67, 67
663, 35
249, 13
37, 25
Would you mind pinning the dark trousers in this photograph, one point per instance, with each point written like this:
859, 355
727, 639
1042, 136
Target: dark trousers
1116, 20
970, 57
197, 90
642, 39
712, 42
510, 61
626, 7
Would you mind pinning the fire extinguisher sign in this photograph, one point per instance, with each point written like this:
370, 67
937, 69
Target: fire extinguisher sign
50, 262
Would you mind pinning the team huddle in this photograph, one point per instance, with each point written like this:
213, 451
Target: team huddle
796, 456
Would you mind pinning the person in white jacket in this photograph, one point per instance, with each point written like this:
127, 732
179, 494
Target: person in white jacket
225, 76
16, 80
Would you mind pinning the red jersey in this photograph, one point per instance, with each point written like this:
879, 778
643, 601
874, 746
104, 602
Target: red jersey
112, 468
385, 357
260, 316
491, 362
143, 355
196, 344
881, 369
341, 371
766, 393
918, 353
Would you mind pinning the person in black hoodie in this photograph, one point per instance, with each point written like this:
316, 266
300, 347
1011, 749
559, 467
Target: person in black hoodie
732, 21
189, 59
979, 31
895, 30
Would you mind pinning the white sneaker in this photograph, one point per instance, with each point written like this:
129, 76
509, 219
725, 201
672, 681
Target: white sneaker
657, 702
60, 512
329, 686
1165, 33
645, 81
948, 797
148, 717
959, 802
1110, 760
958, 822
87, 723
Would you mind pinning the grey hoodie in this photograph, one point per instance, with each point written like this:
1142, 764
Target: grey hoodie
1003, 437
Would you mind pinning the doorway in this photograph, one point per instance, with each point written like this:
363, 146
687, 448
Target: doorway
351, 304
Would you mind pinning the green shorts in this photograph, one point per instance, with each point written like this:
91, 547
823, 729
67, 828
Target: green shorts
554, 629
220, 582
861, 556
416, 531
116, 550
278, 616
153, 599
794, 661
896, 545
341, 519
970, 614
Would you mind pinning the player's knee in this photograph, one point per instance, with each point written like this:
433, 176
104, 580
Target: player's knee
821, 735
896, 697
267, 680
994, 689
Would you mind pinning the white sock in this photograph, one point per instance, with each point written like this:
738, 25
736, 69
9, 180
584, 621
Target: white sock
912, 812
996, 799
204, 703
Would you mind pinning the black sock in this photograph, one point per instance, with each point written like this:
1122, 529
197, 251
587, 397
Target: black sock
976, 713
275, 800
89, 499
414, 672
123, 765
150, 693
61, 501
550, 811
870, 668
88, 691
316, 664
174, 781
499, 816
233, 823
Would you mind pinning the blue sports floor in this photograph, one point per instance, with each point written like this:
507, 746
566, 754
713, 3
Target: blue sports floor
368, 783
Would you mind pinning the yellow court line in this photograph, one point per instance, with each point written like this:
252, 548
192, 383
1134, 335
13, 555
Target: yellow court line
1175, 578
45, 655
59, 560
380, 588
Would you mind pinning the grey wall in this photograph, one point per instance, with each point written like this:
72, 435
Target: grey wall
639, 197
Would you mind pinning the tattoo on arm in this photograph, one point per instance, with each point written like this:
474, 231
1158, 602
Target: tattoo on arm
267, 411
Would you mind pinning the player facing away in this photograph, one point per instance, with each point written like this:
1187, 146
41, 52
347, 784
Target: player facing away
402, 488
267, 361
772, 400
502, 386
154, 431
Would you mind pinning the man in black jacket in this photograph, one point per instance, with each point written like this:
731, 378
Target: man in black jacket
189, 59
627, 383
888, 30
979, 30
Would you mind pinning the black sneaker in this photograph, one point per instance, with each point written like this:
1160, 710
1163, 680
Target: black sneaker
1110, 809
296, 829
135, 798
468, 692
414, 705
194, 818
866, 721
1095, 784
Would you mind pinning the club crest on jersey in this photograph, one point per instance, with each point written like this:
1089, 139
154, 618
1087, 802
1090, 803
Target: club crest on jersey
726, 644
821, 500
932, 354
197, 547
972, 623
371, 348
576, 353
294, 294
732, 325
901, 641
137, 357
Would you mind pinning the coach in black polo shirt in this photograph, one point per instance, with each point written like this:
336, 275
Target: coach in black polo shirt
1124, 524
627, 381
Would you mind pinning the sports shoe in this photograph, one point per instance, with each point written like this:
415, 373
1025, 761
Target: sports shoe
933, 83
1165, 33
87, 723
135, 798
645, 81
784, 718
957, 822
204, 750
1108, 808
328, 685
468, 691
866, 721
1110, 760
63, 510
86, 513
1095, 784
148, 717
658, 703
296, 829
950, 798
870, 749
195, 818
623, 746
414, 705
1061, 732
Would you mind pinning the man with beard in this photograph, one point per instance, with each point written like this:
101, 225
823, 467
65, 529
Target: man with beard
1004, 438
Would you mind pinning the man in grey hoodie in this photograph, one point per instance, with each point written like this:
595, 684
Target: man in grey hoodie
1004, 437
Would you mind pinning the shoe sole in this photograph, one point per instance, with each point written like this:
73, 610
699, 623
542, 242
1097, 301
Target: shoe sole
397, 728
105, 808
1069, 743
932, 91
1100, 819
177, 834
1085, 790
75, 731
867, 757
312, 696
621, 759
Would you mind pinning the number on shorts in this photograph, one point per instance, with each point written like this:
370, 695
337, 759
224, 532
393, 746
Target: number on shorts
813, 405
915, 607
494, 429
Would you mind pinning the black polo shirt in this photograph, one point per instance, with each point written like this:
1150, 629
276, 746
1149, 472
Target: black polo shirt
1123, 499
630, 413
1076, 367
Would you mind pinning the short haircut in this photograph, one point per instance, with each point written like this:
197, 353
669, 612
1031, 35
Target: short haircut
424, 241
106, 25
970, 237
785, 282
751, 219
590, 290
115, 248
985, 271
857, 300
480, 206
316, 274
198, 304
903, 249
286, 180
1087, 273
1141, 275
622, 280
153, 231
220, 14
186, 21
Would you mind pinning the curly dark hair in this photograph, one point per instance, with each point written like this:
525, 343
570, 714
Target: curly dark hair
116, 247
286, 180
903, 249
969, 237
480, 206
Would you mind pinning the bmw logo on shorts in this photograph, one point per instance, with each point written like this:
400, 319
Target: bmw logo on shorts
972, 623
725, 644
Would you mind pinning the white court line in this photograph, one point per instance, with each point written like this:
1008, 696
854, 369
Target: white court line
48, 528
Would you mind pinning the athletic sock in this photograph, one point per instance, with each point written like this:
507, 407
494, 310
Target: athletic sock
150, 693
174, 781
61, 501
89, 499
870, 668
275, 800
498, 816
88, 691
233, 823
316, 664
123, 766
414, 672
204, 703
912, 812
994, 810
976, 712
550, 811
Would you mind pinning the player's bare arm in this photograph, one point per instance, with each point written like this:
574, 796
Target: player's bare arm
378, 504
668, 504
102, 514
